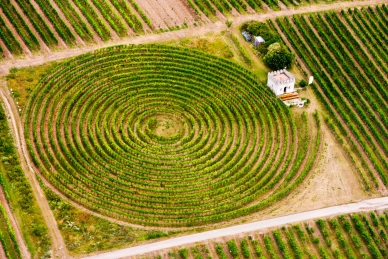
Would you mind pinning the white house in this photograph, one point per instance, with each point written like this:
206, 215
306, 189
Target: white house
281, 82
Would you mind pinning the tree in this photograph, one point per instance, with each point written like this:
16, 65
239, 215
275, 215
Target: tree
278, 57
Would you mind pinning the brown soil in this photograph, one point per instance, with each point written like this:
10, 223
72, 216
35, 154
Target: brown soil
2, 254
6, 54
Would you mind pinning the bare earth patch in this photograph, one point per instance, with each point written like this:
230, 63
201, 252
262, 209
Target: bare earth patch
167, 13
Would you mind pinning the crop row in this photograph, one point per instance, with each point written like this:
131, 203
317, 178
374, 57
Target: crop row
7, 236
112, 158
343, 68
347, 236
85, 18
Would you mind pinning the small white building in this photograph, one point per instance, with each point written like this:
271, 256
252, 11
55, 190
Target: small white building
258, 40
281, 82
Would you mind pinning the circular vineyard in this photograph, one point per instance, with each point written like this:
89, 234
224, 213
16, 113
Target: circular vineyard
165, 136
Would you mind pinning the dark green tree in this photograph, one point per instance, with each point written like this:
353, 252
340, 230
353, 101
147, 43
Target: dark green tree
278, 57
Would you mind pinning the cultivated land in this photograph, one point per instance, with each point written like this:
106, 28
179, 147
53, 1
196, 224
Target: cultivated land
182, 149
135, 132
359, 235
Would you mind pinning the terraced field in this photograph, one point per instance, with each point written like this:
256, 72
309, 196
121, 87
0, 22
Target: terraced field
165, 136
347, 54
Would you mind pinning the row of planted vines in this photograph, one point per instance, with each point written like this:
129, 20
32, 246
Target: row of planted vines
8, 241
166, 136
346, 52
211, 7
65, 20
347, 236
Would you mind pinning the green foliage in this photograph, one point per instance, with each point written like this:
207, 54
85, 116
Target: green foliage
184, 253
220, 252
114, 166
278, 57
93, 233
245, 249
19, 193
303, 83
233, 248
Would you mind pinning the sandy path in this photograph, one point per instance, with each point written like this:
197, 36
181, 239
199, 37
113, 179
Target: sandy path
177, 35
15, 226
58, 244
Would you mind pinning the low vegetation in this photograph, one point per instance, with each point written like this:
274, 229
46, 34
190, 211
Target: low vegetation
85, 233
19, 194
274, 53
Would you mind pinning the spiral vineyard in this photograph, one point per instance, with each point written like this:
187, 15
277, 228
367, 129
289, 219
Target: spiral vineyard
165, 136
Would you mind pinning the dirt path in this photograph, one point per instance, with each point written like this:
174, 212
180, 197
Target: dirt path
15, 226
366, 205
2, 253
58, 244
177, 35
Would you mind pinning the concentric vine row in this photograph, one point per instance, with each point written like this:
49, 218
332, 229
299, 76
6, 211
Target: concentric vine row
164, 136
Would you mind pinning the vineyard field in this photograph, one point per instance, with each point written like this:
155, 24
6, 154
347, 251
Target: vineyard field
360, 235
166, 136
36, 26
346, 54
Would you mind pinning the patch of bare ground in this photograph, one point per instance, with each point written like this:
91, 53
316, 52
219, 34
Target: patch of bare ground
6, 52
26, 51
2, 254
381, 187
332, 182
152, 11
282, 5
